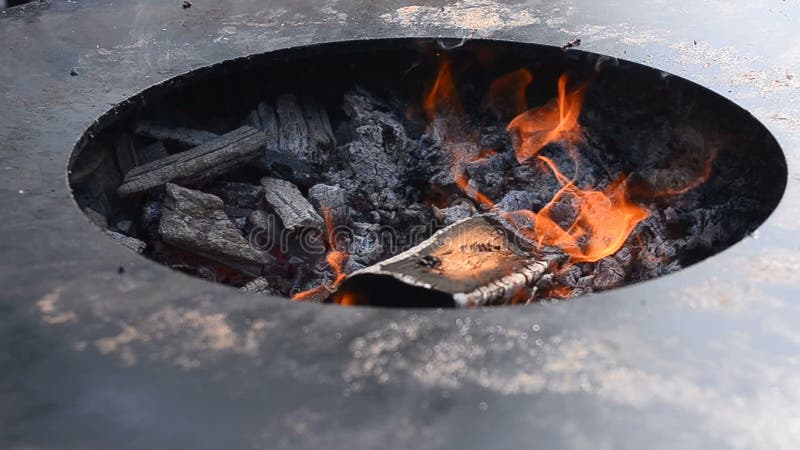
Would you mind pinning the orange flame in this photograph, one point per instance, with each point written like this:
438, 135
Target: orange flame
443, 97
603, 223
462, 181
507, 93
556, 120
603, 219
336, 261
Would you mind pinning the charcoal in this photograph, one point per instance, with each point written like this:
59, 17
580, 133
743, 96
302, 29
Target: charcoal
290, 205
239, 195
195, 221
366, 247
610, 273
238, 215
373, 162
458, 211
132, 244
263, 118
304, 141
186, 136
518, 201
259, 286
488, 173
199, 164
261, 230
330, 202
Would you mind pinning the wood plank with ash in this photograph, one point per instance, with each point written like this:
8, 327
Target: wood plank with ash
195, 221
199, 164
478, 261
187, 136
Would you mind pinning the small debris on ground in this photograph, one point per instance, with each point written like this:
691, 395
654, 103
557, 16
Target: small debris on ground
571, 44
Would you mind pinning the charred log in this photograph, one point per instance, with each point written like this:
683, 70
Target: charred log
199, 164
290, 205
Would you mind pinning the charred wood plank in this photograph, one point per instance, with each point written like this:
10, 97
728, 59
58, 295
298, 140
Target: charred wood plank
196, 221
187, 136
199, 164
478, 261
300, 137
289, 204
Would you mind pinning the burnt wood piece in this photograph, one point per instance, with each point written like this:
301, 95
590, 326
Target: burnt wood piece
300, 137
199, 164
195, 221
132, 244
371, 166
478, 261
330, 201
289, 204
186, 136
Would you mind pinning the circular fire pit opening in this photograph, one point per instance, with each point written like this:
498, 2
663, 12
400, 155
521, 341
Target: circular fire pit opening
422, 172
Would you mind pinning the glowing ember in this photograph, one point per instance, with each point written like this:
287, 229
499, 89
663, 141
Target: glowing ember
336, 260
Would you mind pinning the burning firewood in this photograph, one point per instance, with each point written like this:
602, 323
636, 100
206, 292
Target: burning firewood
201, 163
475, 262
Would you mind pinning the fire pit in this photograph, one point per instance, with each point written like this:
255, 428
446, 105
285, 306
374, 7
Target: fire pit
105, 348
427, 173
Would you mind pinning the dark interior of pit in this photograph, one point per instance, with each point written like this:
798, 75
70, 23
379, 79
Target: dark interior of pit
340, 132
